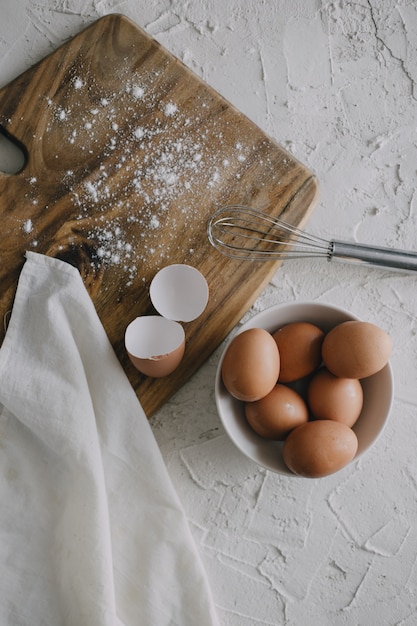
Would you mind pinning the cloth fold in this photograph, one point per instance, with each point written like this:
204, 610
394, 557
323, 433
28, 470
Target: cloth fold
91, 529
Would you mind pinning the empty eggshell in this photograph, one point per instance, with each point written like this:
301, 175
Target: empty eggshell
155, 345
179, 292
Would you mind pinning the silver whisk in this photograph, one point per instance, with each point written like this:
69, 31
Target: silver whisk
243, 233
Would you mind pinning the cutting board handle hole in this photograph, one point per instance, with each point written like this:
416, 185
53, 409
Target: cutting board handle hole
13, 156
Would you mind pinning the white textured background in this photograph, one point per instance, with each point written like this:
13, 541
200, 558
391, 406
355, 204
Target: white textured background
335, 83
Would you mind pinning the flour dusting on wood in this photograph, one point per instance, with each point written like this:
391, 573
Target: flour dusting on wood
150, 160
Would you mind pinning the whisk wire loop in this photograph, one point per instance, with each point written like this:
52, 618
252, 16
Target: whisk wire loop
244, 233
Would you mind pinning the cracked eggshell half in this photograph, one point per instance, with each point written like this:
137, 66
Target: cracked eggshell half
179, 292
156, 344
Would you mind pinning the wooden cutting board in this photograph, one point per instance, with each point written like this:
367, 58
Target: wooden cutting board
128, 154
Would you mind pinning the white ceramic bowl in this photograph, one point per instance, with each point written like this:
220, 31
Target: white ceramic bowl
378, 390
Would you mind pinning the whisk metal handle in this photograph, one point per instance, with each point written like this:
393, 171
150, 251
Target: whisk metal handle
369, 255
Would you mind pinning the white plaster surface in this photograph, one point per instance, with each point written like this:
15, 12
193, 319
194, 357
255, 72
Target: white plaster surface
335, 83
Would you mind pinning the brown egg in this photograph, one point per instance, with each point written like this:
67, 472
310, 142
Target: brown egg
319, 448
299, 345
275, 415
332, 398
250, 367
356, 349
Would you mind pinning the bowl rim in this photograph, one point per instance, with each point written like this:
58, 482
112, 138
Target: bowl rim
266, 453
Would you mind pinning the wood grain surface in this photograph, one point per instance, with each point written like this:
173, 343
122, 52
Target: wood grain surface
128, 153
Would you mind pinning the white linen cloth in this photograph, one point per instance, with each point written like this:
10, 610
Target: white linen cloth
91, 529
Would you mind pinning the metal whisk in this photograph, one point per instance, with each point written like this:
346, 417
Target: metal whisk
243, 233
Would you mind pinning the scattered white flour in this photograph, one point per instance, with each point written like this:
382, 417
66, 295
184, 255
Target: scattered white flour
139, 132
62, 114
92, 191
154, 222
138, 92
214, 179
170, 109
160, 172
27, 226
